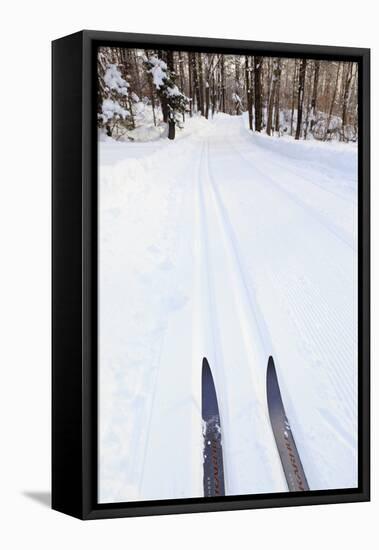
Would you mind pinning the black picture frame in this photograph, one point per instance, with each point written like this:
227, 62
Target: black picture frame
74, 273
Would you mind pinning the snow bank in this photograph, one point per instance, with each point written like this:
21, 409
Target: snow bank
336, 155
141, 190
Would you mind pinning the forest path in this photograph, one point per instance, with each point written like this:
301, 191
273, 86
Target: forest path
301, 266
227, 329
265, 258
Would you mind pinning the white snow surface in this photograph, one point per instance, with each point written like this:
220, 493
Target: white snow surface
234, 246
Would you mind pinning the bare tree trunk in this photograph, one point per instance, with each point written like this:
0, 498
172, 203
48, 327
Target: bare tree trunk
341, 89
258, 92
171, 115
285, 68
300, 97
293, 95
332, 102
237, 73
190, 86
153, 104
277, 98
222, 83
308, 95
237, 89
248, 92
181, 72
138, 79
181, 76
201, 84
101, 67
206, 99
124, 59
272, 94
314, 93
170, 61
352, 105
196, 81
213, 96
346, 95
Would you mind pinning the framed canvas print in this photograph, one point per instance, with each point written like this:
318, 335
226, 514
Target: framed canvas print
210, 274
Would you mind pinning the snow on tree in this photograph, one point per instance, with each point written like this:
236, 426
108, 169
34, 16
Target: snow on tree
112, 110
116, 109
173, 101
114, 80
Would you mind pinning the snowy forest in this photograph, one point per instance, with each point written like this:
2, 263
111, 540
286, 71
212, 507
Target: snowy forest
228, 230
146, 94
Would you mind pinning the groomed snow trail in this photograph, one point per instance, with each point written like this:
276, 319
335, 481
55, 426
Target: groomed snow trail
225, 245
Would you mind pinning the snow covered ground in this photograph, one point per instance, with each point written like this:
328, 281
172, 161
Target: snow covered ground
234, 246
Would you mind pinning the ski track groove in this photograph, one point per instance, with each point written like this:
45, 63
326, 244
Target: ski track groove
252, 326
337, 377
218, 363
258, 321
257, 314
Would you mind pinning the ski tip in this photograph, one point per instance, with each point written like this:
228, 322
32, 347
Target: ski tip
206, 374
208, 392
205, 363
270, 364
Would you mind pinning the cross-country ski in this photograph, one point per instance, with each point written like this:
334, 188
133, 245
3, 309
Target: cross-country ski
213, 479
289, 456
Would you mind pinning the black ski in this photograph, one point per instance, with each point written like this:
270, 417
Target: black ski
289, 456
213, 467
